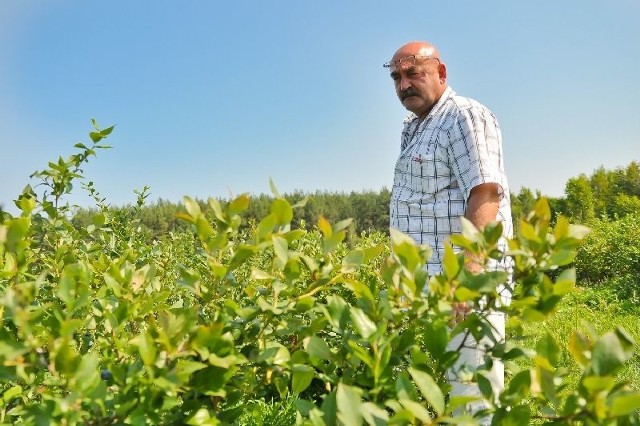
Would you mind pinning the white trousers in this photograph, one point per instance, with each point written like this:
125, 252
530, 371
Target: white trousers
471, 357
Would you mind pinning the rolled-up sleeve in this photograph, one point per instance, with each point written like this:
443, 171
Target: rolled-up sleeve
475, 149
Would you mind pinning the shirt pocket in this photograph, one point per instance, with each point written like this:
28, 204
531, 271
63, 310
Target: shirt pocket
426, 169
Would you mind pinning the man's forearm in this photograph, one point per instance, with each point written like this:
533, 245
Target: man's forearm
482, 208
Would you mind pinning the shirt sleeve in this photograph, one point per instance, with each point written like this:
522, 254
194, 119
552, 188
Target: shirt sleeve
475, 150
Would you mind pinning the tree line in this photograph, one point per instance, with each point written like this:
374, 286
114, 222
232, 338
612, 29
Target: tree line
605, 194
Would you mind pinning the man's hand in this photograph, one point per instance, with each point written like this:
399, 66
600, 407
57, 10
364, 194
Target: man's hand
459, 312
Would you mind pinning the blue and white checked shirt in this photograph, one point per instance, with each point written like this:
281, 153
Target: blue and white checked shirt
455, 148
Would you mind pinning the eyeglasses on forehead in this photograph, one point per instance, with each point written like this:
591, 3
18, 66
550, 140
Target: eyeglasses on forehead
408, 61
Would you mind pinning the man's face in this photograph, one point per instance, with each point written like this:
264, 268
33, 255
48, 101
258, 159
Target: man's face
419, 82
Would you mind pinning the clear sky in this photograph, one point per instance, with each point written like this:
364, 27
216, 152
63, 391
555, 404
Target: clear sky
214, 98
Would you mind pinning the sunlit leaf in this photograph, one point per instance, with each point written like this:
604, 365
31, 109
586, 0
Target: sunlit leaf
282, 210
365, 326
428, 388
352, 261
239, 204
317, 348
192, 207
622, 405
349, 402
608, 354
450, 264
146, 347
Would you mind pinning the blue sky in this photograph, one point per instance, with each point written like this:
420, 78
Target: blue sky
214, 98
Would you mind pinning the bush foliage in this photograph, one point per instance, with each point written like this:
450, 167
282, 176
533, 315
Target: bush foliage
102, 325
611, 250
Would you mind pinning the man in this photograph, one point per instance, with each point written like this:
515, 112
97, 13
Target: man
450, 166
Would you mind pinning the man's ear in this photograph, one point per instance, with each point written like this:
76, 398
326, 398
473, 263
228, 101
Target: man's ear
442, 71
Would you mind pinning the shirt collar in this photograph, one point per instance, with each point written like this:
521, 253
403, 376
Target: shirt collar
448, 93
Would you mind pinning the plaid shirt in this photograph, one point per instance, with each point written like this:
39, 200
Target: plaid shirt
455, 148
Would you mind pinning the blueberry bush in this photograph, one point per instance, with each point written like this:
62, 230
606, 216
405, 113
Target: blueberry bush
102, 325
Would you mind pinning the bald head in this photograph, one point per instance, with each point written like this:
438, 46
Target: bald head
421, 48
419, 76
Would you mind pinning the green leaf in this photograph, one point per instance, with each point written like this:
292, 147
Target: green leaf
336, 311
404, 387
217, 209
484, 384
542, 209
579, 232
623, 405
282, 210
626, 341
492, 232
342, 225
365, 326
239, 204
429, 389
349, 404
274, 190
595, 384
305, 304
436, 338
330, 243
329, 410
515, 416
87, 375
203, 228
242, 253
487, 282
361, 353
201, 418
549, 349
277, 355
405, 248
361, 291
352, 261
565, 283
546, 383
469, 231
520, 383
106, 132
15, 233
265, 227
146, 347
580, 348
608, 355
258, 274
66, 359
95, 136
399, 238
374, 415
281, 248
533, 315
192, 207
562, 257
294, 235
11, 393
302, 377
317, 348
417, 410
324, 226
528, 232
451, 264
185, 368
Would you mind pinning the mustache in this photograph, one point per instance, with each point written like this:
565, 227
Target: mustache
409, 91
